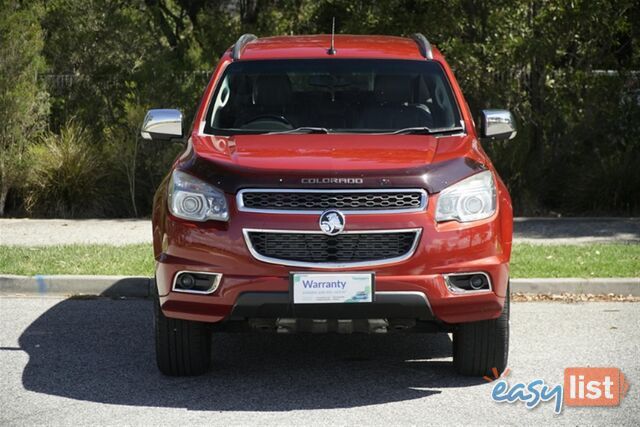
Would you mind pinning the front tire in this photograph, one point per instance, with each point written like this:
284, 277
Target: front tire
478, 347
183, 347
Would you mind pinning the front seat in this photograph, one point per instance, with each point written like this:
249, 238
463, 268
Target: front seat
392, 107
271, 95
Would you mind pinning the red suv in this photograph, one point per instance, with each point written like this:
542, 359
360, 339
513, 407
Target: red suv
332, 185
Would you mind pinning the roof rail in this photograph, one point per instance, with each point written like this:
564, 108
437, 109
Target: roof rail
240, 44
423, 45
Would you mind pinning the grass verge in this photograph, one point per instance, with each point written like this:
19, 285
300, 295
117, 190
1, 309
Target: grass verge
599, 260
131, 260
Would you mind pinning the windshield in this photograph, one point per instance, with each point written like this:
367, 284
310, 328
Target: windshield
333, 95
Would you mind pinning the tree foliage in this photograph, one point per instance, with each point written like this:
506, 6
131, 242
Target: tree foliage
23, 100
569, 70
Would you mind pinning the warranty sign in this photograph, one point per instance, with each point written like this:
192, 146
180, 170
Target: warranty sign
331, 288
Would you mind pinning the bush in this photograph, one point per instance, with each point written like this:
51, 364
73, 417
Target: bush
65, 175
135, 166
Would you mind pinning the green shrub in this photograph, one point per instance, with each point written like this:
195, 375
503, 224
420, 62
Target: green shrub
135, 166
65, 175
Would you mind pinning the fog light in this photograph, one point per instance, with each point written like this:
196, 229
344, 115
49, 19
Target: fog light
467, 282
477, 282
187, 281
196, 282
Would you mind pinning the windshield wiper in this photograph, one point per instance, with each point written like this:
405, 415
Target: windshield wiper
304, 129
423, 130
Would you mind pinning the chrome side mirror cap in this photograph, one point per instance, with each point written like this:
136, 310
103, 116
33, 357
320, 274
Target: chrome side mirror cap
162, 124
497, 124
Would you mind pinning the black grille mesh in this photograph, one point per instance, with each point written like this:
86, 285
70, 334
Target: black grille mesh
320, 248
345, 201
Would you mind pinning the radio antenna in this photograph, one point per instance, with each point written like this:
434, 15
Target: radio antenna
332, 50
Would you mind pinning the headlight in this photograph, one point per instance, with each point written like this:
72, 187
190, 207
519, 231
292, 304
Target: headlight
195, 200
471, 199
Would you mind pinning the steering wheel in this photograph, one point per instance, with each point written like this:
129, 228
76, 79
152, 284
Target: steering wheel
279, 121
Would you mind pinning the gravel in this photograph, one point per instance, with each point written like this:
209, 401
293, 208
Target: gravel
573, 298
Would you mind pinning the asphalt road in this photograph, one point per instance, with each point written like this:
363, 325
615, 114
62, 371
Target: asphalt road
548, 231
79, 362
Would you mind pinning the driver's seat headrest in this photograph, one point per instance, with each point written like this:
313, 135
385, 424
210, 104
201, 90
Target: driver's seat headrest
272, 89
392, 89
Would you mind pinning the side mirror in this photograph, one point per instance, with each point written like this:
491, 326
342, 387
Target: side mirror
497, 124
162, 124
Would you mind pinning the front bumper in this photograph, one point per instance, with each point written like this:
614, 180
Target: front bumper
242, 296
482, 246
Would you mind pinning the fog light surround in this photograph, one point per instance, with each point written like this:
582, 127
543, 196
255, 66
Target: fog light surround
196, 282
471, 282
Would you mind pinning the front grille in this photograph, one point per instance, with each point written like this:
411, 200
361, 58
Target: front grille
319, 200
319, 248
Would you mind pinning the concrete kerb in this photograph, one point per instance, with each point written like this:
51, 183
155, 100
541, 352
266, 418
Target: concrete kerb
595, 286
139, 287
108, 286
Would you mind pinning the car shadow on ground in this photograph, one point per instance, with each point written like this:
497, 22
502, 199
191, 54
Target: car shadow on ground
101, 350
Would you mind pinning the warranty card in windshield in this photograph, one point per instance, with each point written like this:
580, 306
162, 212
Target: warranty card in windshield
331, 288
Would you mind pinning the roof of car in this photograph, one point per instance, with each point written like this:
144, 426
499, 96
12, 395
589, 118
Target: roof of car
346, 46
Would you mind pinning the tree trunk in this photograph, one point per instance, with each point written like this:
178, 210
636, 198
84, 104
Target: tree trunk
131, 176
4, 190
4, 184
536, 149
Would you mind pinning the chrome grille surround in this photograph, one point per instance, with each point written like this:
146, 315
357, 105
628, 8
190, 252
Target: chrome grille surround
316, 201
322, 264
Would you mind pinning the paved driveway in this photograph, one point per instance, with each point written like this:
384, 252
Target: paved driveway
39, 232
78, 362
573, 231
